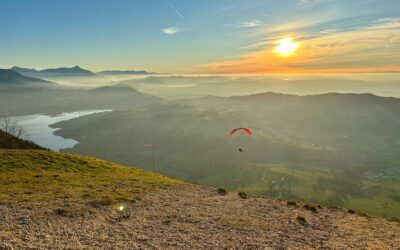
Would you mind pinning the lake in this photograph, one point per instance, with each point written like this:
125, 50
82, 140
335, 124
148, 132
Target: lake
39, 131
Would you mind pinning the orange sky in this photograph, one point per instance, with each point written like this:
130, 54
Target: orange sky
370, 49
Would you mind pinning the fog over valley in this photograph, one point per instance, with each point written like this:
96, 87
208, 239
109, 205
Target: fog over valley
327, 139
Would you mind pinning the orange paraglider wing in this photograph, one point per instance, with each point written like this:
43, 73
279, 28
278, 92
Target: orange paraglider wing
248, 131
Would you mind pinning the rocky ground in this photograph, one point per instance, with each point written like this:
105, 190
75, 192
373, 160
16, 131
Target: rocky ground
191, 217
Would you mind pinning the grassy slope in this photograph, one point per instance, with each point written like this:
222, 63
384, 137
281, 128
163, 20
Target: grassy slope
37, 175
8, 141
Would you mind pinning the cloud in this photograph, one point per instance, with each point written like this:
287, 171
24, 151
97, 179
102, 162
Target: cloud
175, 9
171, 30
328, 31
309, 3
250, 24
371, 48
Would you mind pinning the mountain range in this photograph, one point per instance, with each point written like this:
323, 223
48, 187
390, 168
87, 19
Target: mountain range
57, 72
127, 72
11, 78
75, 72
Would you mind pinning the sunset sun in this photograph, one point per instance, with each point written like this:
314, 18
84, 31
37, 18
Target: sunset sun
286, 47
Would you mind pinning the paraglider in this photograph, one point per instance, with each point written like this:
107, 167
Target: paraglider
248, 131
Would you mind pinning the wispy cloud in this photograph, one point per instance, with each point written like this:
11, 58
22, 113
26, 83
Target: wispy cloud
250, 24
309, 3
371, 48
171, 30
175, 9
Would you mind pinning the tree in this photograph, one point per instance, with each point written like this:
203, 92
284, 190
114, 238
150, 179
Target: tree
13, 128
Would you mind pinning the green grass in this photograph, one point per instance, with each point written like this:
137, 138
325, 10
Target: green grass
44, 176
316, 187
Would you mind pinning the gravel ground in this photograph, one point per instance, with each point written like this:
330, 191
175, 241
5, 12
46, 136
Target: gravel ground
190, 217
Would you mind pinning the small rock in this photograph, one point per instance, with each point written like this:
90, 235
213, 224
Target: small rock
302, 220
243, 195
222, 191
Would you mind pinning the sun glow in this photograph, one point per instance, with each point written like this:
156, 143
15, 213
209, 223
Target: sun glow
286, 47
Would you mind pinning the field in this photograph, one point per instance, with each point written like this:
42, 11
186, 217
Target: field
322, 187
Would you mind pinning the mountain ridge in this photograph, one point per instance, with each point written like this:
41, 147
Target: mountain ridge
122, 88
61, 71
10, 77
76, 71
127, 72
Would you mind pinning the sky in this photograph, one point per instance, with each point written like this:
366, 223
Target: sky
203, 36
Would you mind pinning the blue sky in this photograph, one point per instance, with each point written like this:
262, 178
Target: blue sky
207, 36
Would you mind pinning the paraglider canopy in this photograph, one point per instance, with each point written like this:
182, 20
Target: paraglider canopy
248, 131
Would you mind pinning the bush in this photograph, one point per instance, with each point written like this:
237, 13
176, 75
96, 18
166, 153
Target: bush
351, 211
60, 211
222, 191
311, 208
167, 222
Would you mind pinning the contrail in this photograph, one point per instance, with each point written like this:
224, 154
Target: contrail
175, 9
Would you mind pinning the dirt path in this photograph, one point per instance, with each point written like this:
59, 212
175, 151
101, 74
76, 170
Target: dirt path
191, 217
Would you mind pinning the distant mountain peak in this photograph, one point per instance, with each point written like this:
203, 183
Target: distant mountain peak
127, 72
11, 77
66, 71
76, 71
62, 71
22, 70
118, 88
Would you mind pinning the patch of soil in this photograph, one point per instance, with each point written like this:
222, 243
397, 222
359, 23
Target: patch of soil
190, 217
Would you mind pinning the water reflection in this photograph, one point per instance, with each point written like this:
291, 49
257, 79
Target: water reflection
39, 130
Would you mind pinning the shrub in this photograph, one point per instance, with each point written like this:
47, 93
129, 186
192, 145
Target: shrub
222, 191
311, 208
351, 211
167, 222
60, 211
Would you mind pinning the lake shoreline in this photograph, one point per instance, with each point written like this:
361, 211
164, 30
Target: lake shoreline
41, 129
